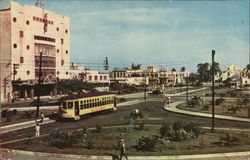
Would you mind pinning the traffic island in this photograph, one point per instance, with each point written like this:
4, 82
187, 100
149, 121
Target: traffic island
141, 139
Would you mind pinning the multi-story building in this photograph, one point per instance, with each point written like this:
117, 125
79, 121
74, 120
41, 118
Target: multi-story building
100, 79
152, 76
30, 35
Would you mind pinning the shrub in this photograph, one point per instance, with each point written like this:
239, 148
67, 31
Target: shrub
205, 107
181, 135
84, 130
98, 128
90, 144
14, 111
148, 143
194, 128
219, 101
166, 131
178, 125
229, 140
245, 100
4, 113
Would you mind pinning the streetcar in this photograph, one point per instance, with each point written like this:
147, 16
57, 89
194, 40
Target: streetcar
76, 106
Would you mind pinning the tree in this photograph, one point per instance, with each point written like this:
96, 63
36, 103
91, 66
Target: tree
216, 68
248, 67
183, 69
193, 77
74, 86
205, 71
136, 67
173, 70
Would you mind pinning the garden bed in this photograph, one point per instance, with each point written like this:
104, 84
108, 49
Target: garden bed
176, 139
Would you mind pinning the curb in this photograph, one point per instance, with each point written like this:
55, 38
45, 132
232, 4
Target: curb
206, 115
40, 155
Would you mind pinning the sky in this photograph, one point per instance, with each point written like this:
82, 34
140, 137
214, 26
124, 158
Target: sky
167, 34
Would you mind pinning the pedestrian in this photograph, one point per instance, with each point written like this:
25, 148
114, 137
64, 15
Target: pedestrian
122, 149
37, 130
42, 117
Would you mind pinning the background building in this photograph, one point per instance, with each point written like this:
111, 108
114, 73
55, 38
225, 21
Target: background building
100, 79
27, 31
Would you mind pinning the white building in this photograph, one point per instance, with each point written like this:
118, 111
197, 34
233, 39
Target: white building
100, 79
152, 76
27, 31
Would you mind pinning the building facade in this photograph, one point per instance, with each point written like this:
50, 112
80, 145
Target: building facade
152, 76
30, 37
100, 79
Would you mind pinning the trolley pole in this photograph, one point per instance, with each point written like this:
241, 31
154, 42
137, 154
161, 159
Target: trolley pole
39, 86
213, 53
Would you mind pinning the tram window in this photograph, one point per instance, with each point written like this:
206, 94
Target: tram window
81, 102
70, 105
81, 106
85, 106
64, 105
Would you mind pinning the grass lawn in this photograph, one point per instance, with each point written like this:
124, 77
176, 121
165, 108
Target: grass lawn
106, 142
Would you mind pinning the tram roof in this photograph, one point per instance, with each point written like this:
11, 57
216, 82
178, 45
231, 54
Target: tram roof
85, 95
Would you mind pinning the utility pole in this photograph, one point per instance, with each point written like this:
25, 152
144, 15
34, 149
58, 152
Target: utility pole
145, 89
39, 86
213, 53
15, 66
187, 90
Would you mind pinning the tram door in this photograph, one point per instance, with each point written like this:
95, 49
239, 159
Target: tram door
77, 110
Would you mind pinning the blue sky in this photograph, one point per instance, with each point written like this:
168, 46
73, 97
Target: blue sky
162, 33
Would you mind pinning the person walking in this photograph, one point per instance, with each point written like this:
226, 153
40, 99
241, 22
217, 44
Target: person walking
42, 117
37, 130
122, 150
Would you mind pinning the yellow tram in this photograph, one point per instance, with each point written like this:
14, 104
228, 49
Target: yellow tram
78, 105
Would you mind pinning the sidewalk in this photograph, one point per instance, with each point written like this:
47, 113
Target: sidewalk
27, 124
172, 108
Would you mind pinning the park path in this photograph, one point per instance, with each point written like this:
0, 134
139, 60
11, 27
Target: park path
172, 108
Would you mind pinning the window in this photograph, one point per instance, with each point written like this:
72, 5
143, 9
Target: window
57, 50
105, 77
96, 78
15, 45
28, 72
66, 31
66, 51
57, 29
62, 62
90, 78
67, 73
27, 22
58, 72
14, 19
64, 105
21, 60
21, 34
27, 47
100, 78
70, 105
44, 38
61, 41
